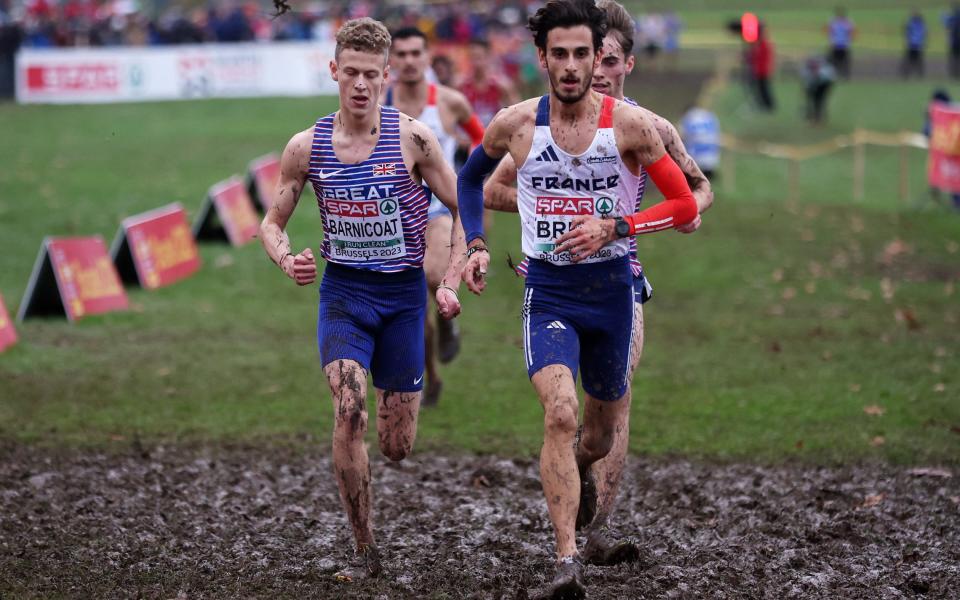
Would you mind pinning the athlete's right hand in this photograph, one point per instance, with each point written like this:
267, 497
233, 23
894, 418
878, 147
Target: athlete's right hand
475, 272
303, 267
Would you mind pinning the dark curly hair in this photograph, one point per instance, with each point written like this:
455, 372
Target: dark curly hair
568, 13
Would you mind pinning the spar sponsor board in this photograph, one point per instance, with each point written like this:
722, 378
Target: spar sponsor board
263, 175
943, 169
73, 277
129, 74
8, 335
227, 213
155, 248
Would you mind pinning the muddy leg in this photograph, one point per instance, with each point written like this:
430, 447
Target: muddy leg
397, 422
558, 466
608, 471
348, 384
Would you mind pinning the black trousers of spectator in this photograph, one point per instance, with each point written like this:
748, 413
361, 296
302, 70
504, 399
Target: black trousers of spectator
912, 62
764, 93
840, 58
817, 100
954, 59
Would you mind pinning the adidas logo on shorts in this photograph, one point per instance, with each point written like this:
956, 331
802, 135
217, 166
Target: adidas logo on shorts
556, 325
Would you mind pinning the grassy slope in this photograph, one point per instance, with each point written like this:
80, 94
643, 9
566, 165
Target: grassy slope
741, 362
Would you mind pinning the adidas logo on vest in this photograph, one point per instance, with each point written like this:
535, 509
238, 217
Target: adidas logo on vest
549, 155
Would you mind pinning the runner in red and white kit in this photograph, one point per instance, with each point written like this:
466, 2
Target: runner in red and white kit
486, 91
443, 110
581, 155
500, 194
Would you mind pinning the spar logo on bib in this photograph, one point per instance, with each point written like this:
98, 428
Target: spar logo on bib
368, 208
569, 207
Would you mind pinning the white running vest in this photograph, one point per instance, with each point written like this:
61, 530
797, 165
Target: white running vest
553, 187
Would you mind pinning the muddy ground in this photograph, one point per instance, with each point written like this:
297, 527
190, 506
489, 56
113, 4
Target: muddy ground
217, 522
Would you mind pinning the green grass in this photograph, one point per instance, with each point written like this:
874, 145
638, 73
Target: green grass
744, 359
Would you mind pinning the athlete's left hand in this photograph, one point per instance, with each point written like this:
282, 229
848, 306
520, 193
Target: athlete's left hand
691, 226
587, 234
448, 304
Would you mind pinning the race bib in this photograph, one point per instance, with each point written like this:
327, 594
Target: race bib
553, 217
365, 230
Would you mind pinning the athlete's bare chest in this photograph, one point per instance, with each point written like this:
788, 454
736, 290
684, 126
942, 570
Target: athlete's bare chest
573, 137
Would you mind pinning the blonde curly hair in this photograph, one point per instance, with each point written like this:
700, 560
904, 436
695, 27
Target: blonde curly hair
363, 35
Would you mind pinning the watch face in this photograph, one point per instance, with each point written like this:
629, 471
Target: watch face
622, 227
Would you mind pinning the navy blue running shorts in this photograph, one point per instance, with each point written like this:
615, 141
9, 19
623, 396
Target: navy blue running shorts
375, 319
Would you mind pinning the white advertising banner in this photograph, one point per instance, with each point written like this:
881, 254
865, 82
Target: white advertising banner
124, 74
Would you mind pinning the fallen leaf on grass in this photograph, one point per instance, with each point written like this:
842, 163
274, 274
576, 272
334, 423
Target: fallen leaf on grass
270, 389
930, 472
775, 347
859, 293
117, 438
894, 249
777, 275
878, 441
940, 387
776, 310
856, 224
827, 355
799, 445
480, 481
815, 268
810, 287
936, 368
222, 261
872, 500
905, 315
855, 387
940, 351
807, 235
163, 371
789, 293
955, 429
887, 289
952, 247
948, 288
874, 410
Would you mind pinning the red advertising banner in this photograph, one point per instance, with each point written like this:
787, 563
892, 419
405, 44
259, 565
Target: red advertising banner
227, 212
264, 174
155, 248
73, 276
8, 335
943, 169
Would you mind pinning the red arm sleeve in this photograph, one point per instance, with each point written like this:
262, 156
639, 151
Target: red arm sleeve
679, 206
474, 129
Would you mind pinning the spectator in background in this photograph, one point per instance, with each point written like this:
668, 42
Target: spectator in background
671, 43
11, 36
841, 32
700, 133
915, 34
761, 60
951, 21
818, 76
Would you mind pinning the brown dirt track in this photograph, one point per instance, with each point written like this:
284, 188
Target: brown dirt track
217, 522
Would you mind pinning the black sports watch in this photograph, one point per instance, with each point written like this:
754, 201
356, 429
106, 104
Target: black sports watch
621, 227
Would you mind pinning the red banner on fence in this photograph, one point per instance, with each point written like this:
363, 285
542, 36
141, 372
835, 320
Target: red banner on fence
8, 335
73, 276
264, 175
155, 248
944, 167
227, 212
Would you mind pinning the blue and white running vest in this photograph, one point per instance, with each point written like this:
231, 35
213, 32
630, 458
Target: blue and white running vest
374, 215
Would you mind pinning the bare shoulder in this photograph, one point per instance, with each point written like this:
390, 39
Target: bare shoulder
415, 135
451, 97
634, 123
517, 116
299, 147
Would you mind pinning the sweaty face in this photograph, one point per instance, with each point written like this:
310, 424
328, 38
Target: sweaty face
409, 59
359, 75
614, 68
570, 62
